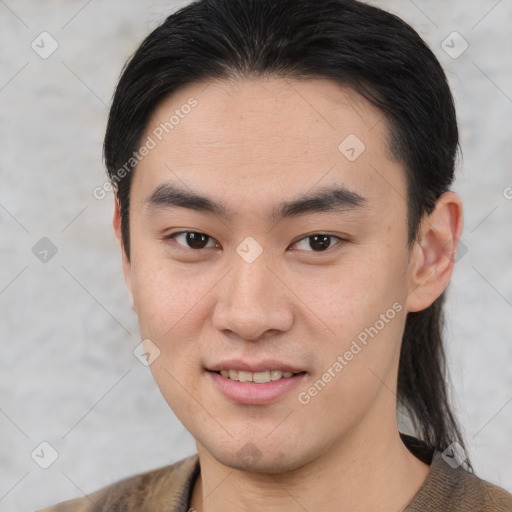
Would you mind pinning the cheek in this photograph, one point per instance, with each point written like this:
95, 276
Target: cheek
362, 313
359, 352
350, 296
164, 291
168, 306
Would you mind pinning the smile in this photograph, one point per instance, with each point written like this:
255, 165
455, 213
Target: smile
257, 377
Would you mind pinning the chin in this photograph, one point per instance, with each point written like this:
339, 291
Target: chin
251, 457
265, 465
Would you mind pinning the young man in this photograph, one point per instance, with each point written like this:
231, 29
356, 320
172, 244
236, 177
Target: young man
282, 173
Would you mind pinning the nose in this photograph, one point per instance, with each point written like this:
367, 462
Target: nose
252, 300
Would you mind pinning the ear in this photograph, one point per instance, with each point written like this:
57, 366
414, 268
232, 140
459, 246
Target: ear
433, 254
127, 267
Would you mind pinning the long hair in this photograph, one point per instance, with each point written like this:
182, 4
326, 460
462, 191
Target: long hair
352, 43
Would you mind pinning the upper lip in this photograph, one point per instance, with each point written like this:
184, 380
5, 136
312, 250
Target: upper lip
260, 366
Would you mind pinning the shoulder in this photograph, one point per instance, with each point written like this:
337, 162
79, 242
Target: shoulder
482, 495
450, 488
152, 490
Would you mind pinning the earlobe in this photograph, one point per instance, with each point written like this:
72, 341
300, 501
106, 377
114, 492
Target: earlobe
127, 271
433, 255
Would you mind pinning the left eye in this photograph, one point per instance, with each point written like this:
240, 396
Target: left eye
319, 242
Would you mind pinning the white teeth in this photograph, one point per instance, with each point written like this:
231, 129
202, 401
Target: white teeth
244, 376
275, 375
258, 377
261, 377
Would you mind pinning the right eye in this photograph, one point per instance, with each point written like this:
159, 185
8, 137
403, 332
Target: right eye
193, 240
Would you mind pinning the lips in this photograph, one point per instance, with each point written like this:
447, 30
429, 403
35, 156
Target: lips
252, 393
255, 383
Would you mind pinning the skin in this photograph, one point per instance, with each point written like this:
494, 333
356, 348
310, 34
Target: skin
253, 143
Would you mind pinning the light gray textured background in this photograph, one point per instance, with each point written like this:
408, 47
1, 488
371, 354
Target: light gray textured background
67, 372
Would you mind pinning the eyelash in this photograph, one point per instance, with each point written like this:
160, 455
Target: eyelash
173, 236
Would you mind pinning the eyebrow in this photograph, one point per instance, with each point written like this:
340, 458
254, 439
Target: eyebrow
334, 199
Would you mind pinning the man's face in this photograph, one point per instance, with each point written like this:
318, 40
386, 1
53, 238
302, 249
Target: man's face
256, 291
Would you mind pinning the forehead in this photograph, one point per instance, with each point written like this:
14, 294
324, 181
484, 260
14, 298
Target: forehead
268, 136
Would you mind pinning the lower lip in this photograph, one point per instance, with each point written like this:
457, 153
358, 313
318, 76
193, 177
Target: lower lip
250, 393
